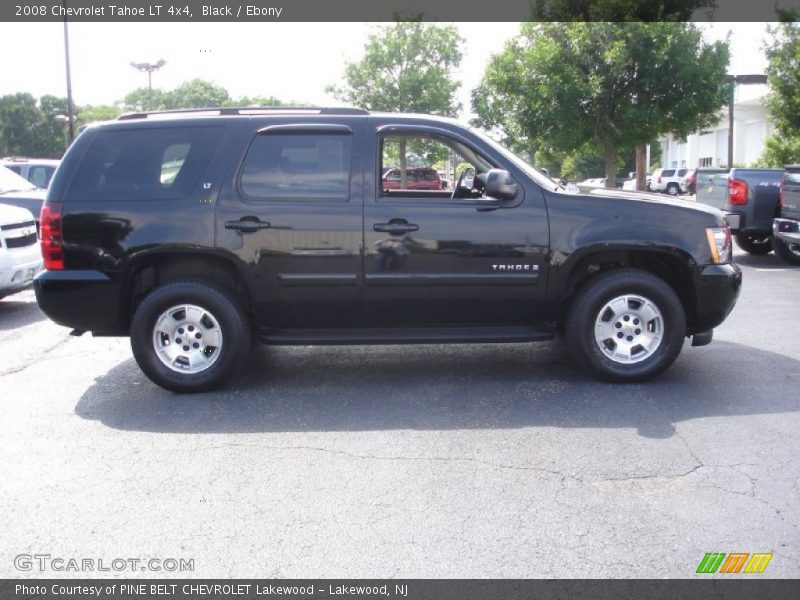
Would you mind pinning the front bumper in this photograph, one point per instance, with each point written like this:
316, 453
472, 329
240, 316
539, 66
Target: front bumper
84, 300
786, 230
717, 288
18, 267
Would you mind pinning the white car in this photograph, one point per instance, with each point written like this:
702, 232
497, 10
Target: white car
630, 184
20, 256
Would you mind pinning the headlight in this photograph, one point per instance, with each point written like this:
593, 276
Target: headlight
719, 242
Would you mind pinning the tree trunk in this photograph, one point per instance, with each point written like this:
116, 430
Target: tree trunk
611, 168
403, 165
641, 169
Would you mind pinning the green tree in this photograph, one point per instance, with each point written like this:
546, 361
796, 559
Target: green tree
196, 93
618, 10
783, 100
30, 128
406, 68
606, 86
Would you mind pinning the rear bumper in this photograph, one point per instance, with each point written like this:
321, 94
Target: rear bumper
786, 230
717, 288
85, 300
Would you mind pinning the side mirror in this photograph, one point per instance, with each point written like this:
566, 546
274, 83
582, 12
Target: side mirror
500, 186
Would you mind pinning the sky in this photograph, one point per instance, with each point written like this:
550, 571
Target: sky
291, 61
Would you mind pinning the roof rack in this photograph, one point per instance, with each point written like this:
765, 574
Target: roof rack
247, 111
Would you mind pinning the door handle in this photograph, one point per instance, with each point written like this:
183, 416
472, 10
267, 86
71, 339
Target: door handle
395, 227
247, 224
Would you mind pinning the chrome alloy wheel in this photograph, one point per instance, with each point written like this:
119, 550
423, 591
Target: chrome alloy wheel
187, 338
629, 329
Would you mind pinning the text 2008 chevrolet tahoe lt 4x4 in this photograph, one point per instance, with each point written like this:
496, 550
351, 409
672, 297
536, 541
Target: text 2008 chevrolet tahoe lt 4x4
192, 232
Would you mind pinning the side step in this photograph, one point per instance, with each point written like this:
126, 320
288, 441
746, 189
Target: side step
409, 335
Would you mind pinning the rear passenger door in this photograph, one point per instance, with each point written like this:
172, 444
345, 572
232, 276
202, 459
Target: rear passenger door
291, 215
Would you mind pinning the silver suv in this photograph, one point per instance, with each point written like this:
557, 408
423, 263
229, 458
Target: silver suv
39, 171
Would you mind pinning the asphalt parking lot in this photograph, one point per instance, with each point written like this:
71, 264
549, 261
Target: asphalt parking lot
410, 461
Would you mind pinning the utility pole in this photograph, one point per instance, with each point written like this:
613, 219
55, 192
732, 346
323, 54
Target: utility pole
735, 80
70, 103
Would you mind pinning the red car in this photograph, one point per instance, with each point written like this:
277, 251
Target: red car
416, 179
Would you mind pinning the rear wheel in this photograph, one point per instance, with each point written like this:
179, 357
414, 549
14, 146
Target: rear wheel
626, 325
788, 252
753, 243
673, 189
190, 336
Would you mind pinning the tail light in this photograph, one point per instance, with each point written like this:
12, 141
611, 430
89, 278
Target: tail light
50, 235
659, 179
737, 192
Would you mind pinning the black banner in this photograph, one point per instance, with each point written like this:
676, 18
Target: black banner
410, 589
392, 10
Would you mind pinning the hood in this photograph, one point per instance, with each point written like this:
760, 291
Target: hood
14, 214
652, 198
36, 194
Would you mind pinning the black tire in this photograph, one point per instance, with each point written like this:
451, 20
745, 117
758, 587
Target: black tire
232, 324
754, 243
673, 189
788, 252
586, 310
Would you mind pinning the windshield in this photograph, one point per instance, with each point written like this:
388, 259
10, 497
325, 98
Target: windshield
11, 182
534, 173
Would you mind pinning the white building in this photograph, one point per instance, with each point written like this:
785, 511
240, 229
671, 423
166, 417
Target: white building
709, 147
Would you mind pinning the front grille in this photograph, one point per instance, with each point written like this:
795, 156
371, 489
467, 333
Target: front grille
21, 242
17, 225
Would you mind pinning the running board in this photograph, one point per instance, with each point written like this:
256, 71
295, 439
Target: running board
410, 335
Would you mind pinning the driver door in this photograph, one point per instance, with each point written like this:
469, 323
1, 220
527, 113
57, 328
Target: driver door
444, 257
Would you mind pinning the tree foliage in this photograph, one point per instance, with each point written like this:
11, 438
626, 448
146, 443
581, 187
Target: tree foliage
606, 86
618, 10
29, 127
783, 99
406, 68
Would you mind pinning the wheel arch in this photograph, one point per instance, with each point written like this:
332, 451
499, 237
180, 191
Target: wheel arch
673, 266
154, 269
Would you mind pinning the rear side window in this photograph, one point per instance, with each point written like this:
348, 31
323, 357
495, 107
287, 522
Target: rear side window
667, 172
40, 176
144, 164
297, 166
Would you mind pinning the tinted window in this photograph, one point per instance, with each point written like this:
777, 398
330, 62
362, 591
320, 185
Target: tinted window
299, 165
668, 172
144, 164
40, 176
17, 170
792, 178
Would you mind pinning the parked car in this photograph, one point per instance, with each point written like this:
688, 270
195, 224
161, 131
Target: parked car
416, 179
668, 180
786, 228
192, 268
20, 257
39, 171
749, 199
689, 182
630, 183
18, 191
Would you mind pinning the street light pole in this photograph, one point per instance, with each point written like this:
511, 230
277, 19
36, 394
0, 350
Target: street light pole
149, 68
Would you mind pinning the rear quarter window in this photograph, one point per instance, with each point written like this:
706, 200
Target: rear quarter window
667, 172
144, 164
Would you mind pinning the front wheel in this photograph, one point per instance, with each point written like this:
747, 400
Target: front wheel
752, 243
788, 252
190, 336
626, 325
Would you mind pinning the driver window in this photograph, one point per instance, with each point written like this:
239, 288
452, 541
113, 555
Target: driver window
420, 166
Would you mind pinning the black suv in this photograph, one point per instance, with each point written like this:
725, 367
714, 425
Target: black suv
193, 232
